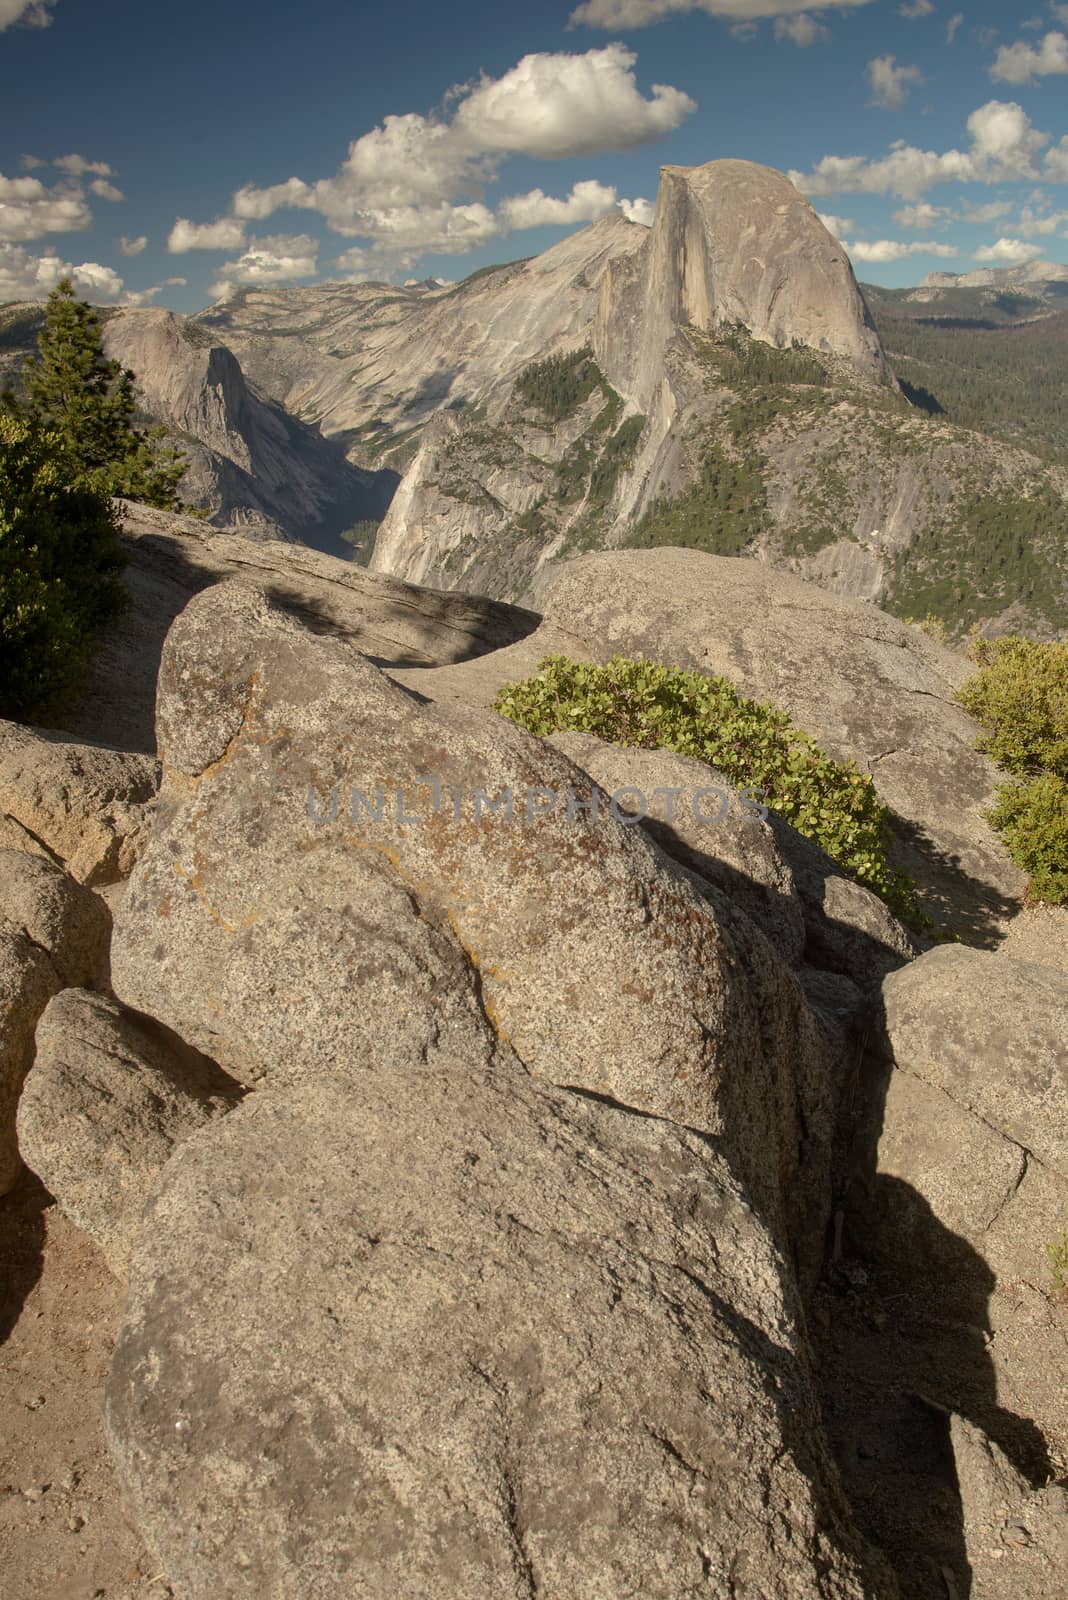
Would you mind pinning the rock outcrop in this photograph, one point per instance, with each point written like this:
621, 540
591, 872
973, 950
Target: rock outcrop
310, 809
456, 1332
880, 694
108, 1098
960, 1172
811, 912
416, 351
53, 934
82, 805
172, 557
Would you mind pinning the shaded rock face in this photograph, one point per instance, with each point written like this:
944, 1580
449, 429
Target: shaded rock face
173, 557
259, 910
53, 933
867, 687
107, 1099
949, 1016
961, 1169
254, 467
733, 243
456, 1332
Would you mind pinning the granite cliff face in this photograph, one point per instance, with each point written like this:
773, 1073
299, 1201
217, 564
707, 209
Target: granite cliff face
252, 465
734, 244
737, 399
374, 363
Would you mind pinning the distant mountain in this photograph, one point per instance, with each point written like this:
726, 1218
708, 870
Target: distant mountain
1033, 275
254, 467
719, 381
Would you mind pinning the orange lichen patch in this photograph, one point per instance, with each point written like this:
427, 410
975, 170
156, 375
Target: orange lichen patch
193, 880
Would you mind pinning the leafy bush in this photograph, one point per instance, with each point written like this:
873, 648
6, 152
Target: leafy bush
750, 744
59, 560
1032, 818
1019, 697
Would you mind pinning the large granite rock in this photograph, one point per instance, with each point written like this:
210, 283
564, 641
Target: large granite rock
173, 557
702, 821
53, 933
1038, 935
285, 881
990, 1034
456, 1332
107, 1099
959, 1168
1016, 1535
866, 686
81, 805
810, 911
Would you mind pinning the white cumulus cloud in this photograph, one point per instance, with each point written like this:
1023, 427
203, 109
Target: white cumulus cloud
227, 233
29, 210
568, 105
27, 277
890, 83
1009, 251
256, 204
992, 211
1031, 222
276, 258
415, 185
839, 226
897, 249
1020, 62
133, 247
801, 30
640, 13
145, 297
587, 202
952, 26
1004, 146
916, 8
78, 166
105, 190
921, 216
27, 13
639, 210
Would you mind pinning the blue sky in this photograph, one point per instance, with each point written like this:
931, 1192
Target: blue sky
166, 157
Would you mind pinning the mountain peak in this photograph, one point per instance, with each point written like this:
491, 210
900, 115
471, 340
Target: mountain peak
734, 243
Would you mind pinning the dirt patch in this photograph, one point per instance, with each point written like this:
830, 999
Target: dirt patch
63, 1532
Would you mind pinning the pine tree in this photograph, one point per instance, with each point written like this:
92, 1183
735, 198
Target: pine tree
86, 402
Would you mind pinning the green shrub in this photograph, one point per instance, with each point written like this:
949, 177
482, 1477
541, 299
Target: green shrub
749, 744
1032, 818
59, 560
1019, 697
